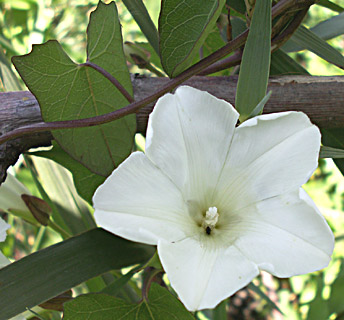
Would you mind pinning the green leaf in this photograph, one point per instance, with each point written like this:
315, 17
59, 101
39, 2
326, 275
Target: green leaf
220, 312
67, 91
183, 27
318, 307
330, 5
334, 137
255, 65
282, 64
307, 39
326, 30
329, 152
335, 301
86, 182
260, 106
143, 19
161, 305
330, 28
54, 270
237, 5
8, 80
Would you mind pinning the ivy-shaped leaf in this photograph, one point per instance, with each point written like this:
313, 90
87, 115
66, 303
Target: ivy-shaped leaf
183, 27
160, 305
67, 91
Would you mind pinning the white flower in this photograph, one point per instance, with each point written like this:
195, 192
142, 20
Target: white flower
220, 202
3, 227
10, 198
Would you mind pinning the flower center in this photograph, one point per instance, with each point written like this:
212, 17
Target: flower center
210, 220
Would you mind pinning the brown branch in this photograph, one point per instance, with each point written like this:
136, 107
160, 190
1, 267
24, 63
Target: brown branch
320, 97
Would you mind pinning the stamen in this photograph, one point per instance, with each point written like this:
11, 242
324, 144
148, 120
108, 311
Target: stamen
210, 219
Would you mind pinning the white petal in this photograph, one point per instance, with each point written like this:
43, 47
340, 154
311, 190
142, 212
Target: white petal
3, 227
204, 275
188, 137
10, 194
3, 260
285, 235
270, 155
140, 203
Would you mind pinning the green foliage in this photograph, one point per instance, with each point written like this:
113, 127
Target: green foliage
183, 27
86, 182
255, 65
306, 38
67, 91
143, 19
334, 138
160, 305
52, 271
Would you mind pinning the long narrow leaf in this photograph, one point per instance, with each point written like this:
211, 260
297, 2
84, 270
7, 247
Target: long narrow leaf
54, 270
255, 65
329, 152
143, 19
330, 5
307, 39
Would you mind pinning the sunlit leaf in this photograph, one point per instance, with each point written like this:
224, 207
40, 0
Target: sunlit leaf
255, 65
66, 91
183, 27
8, 80
335, 301
54, 270
160, 305
86, 182
326, 30
305, 38
330, 5
318, 307
143, 19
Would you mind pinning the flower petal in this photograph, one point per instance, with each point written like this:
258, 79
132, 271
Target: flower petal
270, 155
204, 275
285, 235
140, 203
3, 227
10, 194
188, 137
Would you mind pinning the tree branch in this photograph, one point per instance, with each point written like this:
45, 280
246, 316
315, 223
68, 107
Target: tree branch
320, 97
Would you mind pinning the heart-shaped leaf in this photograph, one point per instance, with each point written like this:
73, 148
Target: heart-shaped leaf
183, 27
67, 91
161, 304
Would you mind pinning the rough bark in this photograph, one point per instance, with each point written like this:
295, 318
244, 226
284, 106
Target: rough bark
322, 98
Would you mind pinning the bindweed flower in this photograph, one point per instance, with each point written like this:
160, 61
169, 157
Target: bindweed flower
11, 192
3, 227
220, 202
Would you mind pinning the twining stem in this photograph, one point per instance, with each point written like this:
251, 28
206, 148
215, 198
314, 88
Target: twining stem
133, 107
110, 77
276, 43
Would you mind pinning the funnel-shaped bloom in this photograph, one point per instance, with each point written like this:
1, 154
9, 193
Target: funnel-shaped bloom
3, 227
220, 202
